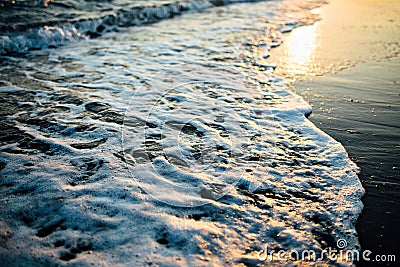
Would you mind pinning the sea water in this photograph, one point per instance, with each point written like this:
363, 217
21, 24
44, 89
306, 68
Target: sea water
129, 142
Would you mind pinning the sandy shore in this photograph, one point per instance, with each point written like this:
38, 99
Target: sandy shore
346, 66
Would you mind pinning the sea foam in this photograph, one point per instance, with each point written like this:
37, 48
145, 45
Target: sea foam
169, 144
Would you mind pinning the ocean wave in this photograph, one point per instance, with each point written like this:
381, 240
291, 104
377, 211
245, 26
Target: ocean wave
170, 144
64, 27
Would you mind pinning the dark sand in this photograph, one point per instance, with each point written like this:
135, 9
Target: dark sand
347, 67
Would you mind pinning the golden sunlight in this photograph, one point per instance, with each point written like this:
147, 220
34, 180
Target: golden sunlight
299, 48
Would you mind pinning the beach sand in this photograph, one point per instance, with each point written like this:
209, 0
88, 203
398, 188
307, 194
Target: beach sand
102, 166
347, 67
115, 150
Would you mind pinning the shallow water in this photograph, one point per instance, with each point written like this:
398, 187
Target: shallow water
171, 143
367, 124
358, 103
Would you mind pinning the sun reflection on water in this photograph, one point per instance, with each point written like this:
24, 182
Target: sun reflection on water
300, 50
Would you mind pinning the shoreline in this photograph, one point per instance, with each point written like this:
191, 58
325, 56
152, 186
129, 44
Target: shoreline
147, 194
370, 142
347, 70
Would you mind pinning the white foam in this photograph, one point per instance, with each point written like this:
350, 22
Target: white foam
219, 157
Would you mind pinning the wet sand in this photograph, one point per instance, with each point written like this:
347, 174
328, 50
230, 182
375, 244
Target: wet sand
369, 129
115, 150
347, 67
